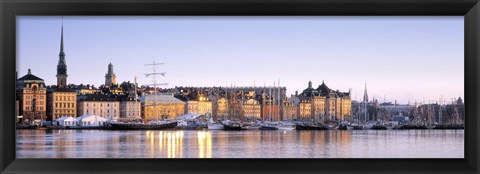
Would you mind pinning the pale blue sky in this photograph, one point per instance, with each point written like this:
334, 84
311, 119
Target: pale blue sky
403, 58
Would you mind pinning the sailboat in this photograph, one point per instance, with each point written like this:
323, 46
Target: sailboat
151, 125
229, 124
270, 125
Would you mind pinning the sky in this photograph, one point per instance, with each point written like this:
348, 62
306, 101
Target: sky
399, 58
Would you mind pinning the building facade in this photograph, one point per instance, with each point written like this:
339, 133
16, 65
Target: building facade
130, 108
222, 108
162, 106
98, 104
252, 109
32, 95
324, 103
61, 102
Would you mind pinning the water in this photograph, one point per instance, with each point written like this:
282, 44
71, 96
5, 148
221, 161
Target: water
240, 144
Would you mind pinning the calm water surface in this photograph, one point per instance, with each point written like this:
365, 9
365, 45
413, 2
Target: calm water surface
241, 144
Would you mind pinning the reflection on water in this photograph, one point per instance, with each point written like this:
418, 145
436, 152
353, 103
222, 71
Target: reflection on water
241, 144
204, 144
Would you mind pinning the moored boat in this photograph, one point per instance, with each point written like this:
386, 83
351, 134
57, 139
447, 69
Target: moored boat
142, 126
215, 126
233, 127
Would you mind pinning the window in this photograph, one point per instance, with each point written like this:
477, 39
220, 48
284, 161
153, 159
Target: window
108, 105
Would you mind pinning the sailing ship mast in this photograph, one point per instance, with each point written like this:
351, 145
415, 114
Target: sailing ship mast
254, 100
278, 100
136, 97
154, 74
270, 102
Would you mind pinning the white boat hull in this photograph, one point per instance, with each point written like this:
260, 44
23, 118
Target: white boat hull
286, 128
215, 127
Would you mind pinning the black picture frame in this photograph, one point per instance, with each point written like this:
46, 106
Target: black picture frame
9, 9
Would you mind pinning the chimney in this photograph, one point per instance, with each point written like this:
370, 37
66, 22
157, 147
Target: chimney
296, 93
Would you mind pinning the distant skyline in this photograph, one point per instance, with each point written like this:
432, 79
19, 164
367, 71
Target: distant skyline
400, 58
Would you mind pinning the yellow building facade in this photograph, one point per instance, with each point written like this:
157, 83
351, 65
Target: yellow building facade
222, 108
32, 95
252, 109
61, 102
201, 106
324, 103
162, 106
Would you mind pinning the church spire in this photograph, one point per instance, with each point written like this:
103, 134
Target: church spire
61, 42
62, 65
365, 95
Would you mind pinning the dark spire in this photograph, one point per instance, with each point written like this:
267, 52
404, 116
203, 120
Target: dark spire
62, 53
310, 84
29, 71
62, 65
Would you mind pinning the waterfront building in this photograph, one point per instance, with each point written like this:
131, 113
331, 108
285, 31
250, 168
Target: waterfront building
222, 108
130, 108
99, 104
61, 102
325, 103
305, 109
31, 92
199, 104
289, 109
270, 112
110, 77
163, 106
61, 66
252, 109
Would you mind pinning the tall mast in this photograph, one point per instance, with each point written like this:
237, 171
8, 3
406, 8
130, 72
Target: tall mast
254, 100
278, 98
155, 83
274, 101
136, 96
226, 103
263, 101
270, 109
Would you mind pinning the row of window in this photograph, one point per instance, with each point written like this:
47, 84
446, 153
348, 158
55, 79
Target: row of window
65, 105
29, 97
101, 105
60, 111
65, 98
29, 108
108, 111
30, 102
